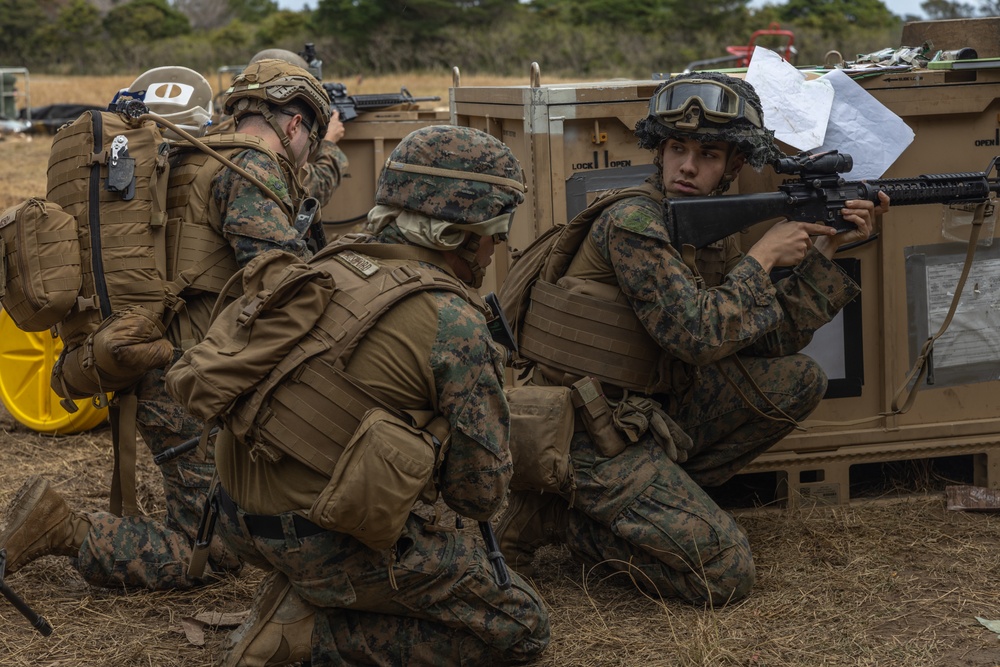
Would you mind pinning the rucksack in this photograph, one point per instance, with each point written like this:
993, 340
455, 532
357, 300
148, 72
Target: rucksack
109, 171
102, 230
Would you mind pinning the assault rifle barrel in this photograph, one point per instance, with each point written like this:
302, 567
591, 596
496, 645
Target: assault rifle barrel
817, 197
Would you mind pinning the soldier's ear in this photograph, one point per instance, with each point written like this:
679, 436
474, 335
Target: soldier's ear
736, 163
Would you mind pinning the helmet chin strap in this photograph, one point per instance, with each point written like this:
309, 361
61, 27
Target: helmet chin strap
286, 142
467, 253
730, 174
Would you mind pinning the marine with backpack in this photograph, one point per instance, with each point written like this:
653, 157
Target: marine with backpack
173, 222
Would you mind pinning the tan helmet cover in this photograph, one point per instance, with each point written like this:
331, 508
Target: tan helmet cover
179, 95
277, 82
281, 54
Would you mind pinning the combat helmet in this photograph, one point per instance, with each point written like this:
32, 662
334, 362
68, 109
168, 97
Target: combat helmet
267, 85
315, 67
709, 106
177, 94
281, 54
451, 180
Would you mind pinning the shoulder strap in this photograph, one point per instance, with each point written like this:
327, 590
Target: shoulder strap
569, 242
203, 145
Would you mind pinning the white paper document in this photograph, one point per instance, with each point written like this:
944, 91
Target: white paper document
832, 112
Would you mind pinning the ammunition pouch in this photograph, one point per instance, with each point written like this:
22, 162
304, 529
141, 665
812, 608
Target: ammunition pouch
595, 413
385, 468
541, 428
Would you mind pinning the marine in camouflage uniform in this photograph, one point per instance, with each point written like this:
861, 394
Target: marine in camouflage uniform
643, 510
432, 598
326, 168
147, 552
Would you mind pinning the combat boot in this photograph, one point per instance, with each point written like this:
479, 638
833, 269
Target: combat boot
40, 523
279, 629
531, 520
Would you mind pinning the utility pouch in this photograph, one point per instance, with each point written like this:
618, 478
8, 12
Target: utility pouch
114, 357
40, 275
541, 428
595, 413
377, 480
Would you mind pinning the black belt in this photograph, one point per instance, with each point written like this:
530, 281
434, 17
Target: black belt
267, 526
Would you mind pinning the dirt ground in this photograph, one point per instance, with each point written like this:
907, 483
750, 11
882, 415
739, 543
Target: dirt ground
884, 582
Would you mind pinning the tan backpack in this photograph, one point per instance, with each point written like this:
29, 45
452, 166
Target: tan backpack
109, 171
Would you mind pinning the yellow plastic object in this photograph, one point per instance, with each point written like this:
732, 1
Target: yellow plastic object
26, 360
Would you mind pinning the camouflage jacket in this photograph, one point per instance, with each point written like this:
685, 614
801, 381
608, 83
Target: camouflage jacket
740, 310
252, 222
323, 175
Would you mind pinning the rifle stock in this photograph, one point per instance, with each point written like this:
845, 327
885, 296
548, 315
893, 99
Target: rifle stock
817, 196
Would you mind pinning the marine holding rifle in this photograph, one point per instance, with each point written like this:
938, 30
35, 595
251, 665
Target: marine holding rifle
711, 376
367, 381
281, 112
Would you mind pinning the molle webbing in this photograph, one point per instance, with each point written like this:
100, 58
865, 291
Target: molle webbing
307, 406
193, 229
584, 335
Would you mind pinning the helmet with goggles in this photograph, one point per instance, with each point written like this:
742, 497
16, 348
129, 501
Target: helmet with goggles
709, 106
267, 85
177, 94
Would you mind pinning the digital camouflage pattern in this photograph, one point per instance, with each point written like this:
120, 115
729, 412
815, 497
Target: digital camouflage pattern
252, 222
432, 597
444, 608
324, 172
143, 552
448, 198
640, 511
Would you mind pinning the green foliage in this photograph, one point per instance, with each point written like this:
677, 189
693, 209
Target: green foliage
251, 11
943, 9
837, 17
568, 38
280, 26
75, 33
19, 23
144, 21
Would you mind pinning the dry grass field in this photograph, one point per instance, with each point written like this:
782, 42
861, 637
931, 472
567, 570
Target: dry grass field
892, 581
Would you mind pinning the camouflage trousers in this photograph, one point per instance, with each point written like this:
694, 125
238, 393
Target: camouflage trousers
642, 514
430, 600
153, 553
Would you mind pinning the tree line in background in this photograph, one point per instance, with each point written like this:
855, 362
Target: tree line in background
586, 38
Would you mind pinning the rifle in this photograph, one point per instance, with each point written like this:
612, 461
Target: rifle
817, 195
350, 105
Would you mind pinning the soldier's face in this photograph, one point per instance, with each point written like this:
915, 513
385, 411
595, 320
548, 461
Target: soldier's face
692, 168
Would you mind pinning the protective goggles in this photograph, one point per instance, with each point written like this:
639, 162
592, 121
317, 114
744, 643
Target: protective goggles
717, 102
